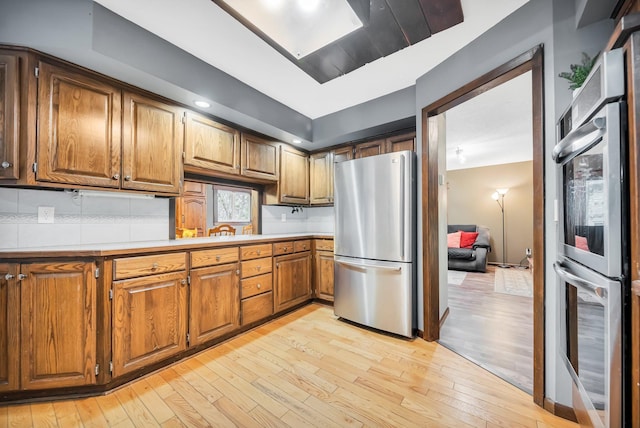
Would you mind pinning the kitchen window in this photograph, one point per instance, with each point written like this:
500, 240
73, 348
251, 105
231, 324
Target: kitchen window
231, 204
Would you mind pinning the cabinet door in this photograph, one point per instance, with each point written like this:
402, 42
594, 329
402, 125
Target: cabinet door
192, 212
78, 129
9, 328
370, 148
58, 325
401, 142
292, 283
151, 145
214, 302
342, 154
194, 188
321, 178
324, 275
294, 176
149, 320
210, 145
9, 116
259, 158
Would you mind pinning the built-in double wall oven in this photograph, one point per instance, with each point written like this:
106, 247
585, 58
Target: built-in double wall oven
592, 264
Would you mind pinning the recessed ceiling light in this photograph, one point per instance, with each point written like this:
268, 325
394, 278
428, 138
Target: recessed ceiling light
296, 141
202, 104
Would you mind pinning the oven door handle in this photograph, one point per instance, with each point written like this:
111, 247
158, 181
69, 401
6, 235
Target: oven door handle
567, 276
579, 139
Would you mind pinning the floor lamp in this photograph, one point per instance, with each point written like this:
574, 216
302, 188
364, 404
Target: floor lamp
498, 196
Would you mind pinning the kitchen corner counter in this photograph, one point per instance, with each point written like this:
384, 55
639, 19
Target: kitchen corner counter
129, 248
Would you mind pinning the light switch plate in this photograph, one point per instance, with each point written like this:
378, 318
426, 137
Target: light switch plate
45, 214
283, 217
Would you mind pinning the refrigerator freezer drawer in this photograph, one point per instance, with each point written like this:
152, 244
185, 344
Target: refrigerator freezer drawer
376, 294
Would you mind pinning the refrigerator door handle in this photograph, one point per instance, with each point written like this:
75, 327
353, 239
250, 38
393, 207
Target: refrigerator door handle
364, 265
402, 202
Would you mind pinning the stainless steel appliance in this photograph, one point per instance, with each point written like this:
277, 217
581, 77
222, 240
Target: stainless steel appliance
374, 204
593, 256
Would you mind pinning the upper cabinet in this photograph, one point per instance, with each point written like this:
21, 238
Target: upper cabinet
79, 121
151, 145
293, 186
9, 115
370, 148
259, 158
401, 142
342, 154
321, 178
210, 146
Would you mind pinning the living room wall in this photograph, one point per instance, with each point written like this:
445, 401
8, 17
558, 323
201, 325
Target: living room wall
469, 202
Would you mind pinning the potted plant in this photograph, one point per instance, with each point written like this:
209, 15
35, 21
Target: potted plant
579, 72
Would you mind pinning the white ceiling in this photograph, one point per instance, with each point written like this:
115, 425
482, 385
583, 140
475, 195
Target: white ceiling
201, 28
495, 127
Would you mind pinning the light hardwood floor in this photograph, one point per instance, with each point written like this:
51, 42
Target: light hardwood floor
494, 330
305, 369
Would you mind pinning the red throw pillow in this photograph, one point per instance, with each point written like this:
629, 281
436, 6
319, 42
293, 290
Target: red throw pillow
467, 239
453, 239
582, 243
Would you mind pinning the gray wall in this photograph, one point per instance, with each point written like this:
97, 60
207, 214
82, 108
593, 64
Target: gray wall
552, 24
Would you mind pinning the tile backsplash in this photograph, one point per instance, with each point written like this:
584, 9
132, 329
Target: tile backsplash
79, 220
308, 219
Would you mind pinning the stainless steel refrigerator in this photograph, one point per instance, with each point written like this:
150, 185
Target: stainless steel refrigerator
375, 207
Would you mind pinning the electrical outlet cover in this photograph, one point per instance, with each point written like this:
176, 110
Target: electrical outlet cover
45, 214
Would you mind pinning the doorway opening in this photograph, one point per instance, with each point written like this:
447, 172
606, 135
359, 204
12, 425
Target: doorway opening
435, 260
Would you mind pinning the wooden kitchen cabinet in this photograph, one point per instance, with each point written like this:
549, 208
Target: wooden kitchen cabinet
342, 154
210, 146
259, 158
398, 143
321, 178
9, 115
152, 140
323, 269
149, 319
257, 282
293, 187
214, 301
370, 148
57, 324
9, 328
79, 121
191, 209
292, 280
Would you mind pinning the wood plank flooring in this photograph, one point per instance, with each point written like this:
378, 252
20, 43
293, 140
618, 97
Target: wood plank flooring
494, 330
304, 369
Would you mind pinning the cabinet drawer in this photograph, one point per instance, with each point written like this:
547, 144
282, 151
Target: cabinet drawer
256, 267
256, 285
299, 246
131, 267
282, 248
214, 257
324, 244
257, 307
255, 251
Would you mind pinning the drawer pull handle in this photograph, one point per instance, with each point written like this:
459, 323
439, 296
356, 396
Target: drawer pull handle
154, 266
8, 276
217, 258
258, 286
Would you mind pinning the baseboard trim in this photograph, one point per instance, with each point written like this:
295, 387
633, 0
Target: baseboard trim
560, 410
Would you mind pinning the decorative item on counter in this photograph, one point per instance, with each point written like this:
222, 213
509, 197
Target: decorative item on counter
579, 72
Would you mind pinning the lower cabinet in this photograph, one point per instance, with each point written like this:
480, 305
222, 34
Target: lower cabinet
323, 270
257, 282
9, 328
149, 320
292, 281
214, 302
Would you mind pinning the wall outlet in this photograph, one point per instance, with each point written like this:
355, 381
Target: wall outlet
283, 217
527, 251
45, 214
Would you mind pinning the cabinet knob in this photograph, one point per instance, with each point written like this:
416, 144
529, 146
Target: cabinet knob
154, 266
183, 282
8, 276
127, 178
277, 265
259, 251
238, 272
21, 276
258, 268
284, 249
5, 165
217, 258
258, 286
116, 176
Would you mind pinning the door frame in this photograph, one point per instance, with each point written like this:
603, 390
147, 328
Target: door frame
531, 60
